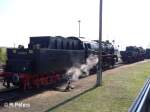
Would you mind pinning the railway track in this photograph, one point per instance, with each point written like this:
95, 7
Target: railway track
118, 64
8, 95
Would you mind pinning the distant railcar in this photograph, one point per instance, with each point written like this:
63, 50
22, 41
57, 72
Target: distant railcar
132, 54
147, 53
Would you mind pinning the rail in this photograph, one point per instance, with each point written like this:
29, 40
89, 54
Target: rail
142, 101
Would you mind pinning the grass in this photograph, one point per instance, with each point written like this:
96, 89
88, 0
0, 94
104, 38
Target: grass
2, 55
117, 93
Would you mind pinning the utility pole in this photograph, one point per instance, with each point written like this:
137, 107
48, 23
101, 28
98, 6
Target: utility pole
99, 71
79, 27
14, 45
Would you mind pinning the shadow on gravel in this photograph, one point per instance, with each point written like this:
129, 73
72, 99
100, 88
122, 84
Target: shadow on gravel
70, 99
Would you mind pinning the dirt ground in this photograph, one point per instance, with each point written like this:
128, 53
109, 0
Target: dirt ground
52, 98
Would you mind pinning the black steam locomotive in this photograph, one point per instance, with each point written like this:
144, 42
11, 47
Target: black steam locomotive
47, 58
132, 54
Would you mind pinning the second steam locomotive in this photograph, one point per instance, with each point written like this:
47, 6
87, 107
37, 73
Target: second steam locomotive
132, 54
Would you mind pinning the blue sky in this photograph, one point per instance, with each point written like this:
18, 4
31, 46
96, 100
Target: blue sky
125, 21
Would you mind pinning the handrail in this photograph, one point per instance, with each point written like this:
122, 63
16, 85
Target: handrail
140, 103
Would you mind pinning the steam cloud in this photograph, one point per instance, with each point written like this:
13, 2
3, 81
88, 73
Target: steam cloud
84, 69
